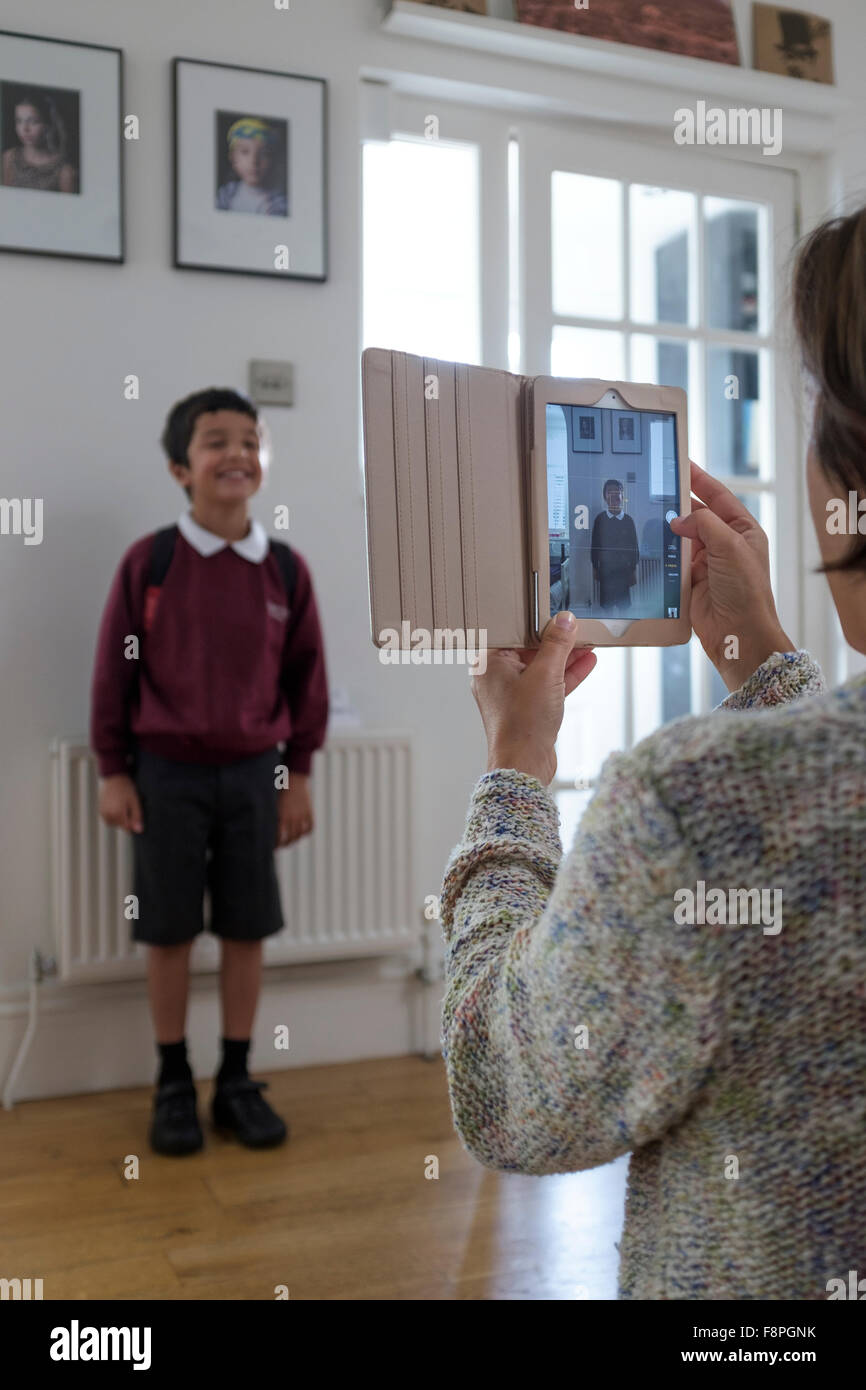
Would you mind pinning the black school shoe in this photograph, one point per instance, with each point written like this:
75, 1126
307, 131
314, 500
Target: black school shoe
175, 1128
239, 1108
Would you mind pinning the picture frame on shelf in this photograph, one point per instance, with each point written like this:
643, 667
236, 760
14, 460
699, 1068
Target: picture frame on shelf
466, 6
793, 43
695, 28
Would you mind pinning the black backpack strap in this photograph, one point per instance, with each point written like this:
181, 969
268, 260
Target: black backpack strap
285, 558
160, 555
162, 551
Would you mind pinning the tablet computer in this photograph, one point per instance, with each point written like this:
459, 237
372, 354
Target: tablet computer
610, 472
494, 499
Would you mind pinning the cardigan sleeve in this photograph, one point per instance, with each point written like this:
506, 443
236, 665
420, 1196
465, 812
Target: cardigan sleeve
782, 677
114, 683
579, 1021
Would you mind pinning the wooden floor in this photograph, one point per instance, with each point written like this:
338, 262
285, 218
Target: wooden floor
342, 1211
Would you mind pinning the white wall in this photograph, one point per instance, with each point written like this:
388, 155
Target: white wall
72, 330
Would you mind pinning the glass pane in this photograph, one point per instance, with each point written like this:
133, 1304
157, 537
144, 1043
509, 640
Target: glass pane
676, 682
662, 687
587, 352
421, 260
662, 232
734, 412
594, 720
647, 690
718, 690
755, 501
731, 230
659, 361
571, 806
586, 230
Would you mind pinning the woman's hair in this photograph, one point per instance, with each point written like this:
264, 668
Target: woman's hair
55, 131
829, 304
180, 425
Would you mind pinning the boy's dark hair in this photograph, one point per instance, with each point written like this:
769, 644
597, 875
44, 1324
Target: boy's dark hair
180, 425
611, 482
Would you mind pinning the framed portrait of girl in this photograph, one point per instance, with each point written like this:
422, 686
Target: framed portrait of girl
61, 159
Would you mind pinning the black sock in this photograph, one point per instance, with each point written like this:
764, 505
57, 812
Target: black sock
175, 1066
234, 1063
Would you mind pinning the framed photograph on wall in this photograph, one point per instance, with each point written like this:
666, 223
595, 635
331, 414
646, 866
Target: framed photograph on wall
250, 184
586, 430
61, 161
625, 437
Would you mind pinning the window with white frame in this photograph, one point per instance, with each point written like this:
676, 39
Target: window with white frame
421, 254
545, 248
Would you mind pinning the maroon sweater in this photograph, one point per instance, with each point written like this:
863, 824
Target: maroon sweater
224, 670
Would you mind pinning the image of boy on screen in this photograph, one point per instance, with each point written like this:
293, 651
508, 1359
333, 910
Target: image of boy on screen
614, 551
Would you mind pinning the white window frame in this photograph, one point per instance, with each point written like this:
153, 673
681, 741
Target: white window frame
544, 148
804, 601
487, 130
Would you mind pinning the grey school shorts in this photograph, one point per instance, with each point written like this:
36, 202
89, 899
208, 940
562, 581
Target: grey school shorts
206, 826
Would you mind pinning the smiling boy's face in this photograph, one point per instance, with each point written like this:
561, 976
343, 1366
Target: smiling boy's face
223, 454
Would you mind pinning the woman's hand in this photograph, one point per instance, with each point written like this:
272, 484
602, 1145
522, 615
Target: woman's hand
294, 810
119, 804
521, 696
731, 592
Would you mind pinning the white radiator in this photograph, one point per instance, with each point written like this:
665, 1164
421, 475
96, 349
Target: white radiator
346, 889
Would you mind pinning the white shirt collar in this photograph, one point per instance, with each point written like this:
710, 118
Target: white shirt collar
253, 546
615, 516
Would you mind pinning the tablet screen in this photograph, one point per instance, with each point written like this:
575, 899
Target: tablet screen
613, 488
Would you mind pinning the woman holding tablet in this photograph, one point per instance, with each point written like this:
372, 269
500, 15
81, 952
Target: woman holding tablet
687, 983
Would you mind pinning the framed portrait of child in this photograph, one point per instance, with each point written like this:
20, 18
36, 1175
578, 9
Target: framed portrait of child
61, 158
250, 193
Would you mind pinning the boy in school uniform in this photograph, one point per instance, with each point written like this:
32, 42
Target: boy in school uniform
209, 694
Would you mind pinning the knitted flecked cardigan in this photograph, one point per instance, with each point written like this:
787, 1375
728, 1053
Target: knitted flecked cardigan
581, 1022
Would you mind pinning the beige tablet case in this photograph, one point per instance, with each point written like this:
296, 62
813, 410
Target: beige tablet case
446, 498
449, 502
